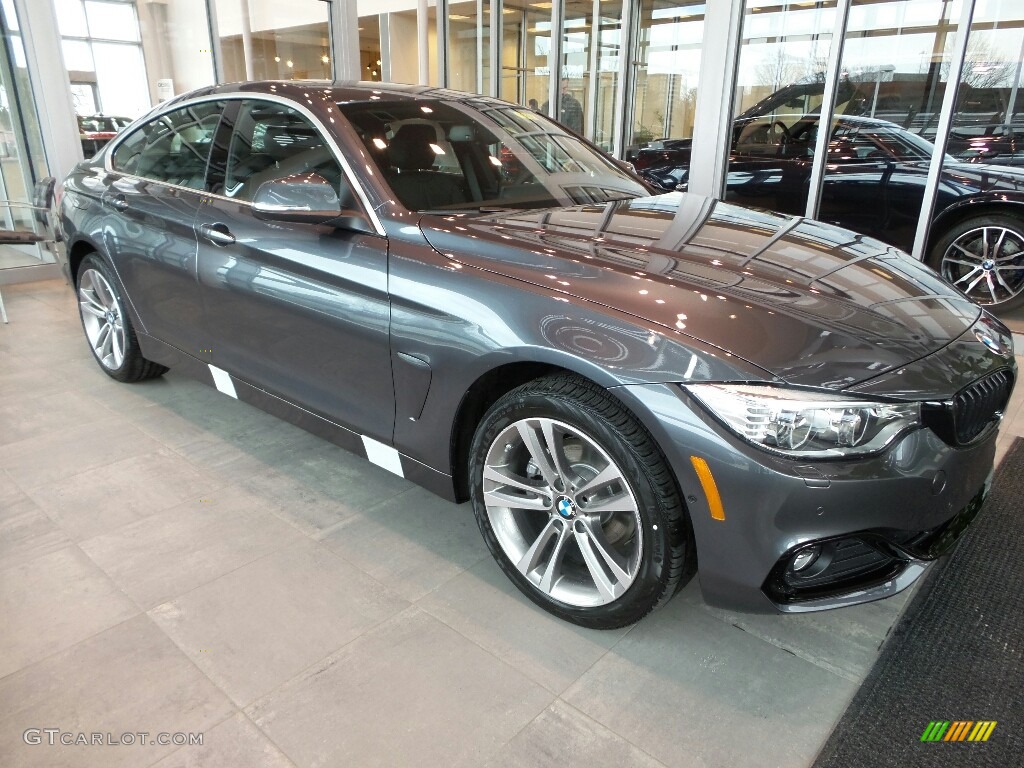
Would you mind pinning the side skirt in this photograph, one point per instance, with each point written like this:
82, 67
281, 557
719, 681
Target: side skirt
378, 453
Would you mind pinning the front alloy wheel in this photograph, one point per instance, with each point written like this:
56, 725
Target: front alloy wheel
577, 504
562, 512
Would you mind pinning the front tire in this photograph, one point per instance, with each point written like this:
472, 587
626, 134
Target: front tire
984, 257
107, 326
577, 504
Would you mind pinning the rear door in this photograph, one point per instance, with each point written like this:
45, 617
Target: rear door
299, 310
152, 198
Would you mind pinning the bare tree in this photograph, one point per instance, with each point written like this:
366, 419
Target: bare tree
778, 69
985, 65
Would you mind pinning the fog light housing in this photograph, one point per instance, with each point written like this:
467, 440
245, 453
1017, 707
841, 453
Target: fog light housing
804, 558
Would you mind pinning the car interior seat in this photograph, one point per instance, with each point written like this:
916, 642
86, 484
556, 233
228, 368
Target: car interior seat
412, 177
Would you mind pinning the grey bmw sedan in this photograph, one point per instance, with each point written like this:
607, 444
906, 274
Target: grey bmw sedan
629, 388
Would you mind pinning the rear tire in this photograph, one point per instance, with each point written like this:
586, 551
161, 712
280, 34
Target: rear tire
984, 257
107, 326
592, 530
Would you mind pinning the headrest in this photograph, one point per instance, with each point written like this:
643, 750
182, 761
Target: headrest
286, 140
410, 148
460, 133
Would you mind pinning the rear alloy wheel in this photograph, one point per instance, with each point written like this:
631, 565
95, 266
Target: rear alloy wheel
577, 505
107, 326
984, 258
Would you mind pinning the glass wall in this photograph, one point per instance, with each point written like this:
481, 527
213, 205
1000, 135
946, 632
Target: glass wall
22, 161
123, 57
370, 62
262, 40
469, 46
525, 50
780, 85
666, 66
591, 48
628, 77
402, 61
983, 254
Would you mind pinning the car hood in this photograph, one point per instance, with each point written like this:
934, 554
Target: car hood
806, 302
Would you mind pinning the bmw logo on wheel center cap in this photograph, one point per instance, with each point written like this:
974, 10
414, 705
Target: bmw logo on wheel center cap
566, 508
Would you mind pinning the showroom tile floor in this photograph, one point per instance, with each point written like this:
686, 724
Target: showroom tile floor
172, 560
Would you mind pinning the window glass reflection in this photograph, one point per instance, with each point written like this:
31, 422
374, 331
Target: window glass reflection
274, 41
666, 68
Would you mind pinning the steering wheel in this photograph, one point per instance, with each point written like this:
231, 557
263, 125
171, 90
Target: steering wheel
782, 129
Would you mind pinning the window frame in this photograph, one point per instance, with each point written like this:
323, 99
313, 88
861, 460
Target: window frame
232, 98
220, 156
149, 120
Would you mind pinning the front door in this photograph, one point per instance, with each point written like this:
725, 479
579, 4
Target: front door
298, 310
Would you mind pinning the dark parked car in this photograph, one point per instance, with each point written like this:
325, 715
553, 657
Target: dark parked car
874, 184
96, 131
623, 384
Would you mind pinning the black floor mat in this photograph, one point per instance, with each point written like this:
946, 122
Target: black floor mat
956, 655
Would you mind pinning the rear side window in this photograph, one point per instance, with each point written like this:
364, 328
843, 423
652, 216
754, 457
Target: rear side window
271, 141
173, 147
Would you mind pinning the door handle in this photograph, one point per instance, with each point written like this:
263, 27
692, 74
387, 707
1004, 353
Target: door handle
218, 234
118, 202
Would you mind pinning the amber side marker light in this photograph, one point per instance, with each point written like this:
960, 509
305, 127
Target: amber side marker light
707, 482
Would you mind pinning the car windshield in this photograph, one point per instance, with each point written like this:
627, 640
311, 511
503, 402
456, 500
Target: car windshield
439, 155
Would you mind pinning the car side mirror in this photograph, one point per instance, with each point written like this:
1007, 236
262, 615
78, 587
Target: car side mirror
305, 198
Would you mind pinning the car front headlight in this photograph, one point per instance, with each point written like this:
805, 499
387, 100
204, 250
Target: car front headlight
806, 424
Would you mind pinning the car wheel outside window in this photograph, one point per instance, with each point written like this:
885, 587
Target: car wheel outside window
577, 505
107, 326
984, 257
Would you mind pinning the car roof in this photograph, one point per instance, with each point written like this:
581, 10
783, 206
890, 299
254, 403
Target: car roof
337, 91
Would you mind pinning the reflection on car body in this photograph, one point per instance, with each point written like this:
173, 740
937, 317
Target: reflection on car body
874, 184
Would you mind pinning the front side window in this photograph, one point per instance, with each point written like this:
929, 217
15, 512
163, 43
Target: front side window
271, 141
172, 148
471, 155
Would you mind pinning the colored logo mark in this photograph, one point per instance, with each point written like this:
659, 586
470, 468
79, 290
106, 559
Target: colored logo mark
989, 342
565, 507
958, 730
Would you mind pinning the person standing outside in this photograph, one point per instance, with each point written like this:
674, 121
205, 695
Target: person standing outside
570, 111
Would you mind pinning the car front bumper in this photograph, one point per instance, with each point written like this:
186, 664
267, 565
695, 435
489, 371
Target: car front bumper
877, 521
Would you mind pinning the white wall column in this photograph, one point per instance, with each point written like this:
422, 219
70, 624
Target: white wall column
712, 128
629, 41
344, 28
443, 72
423, 41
